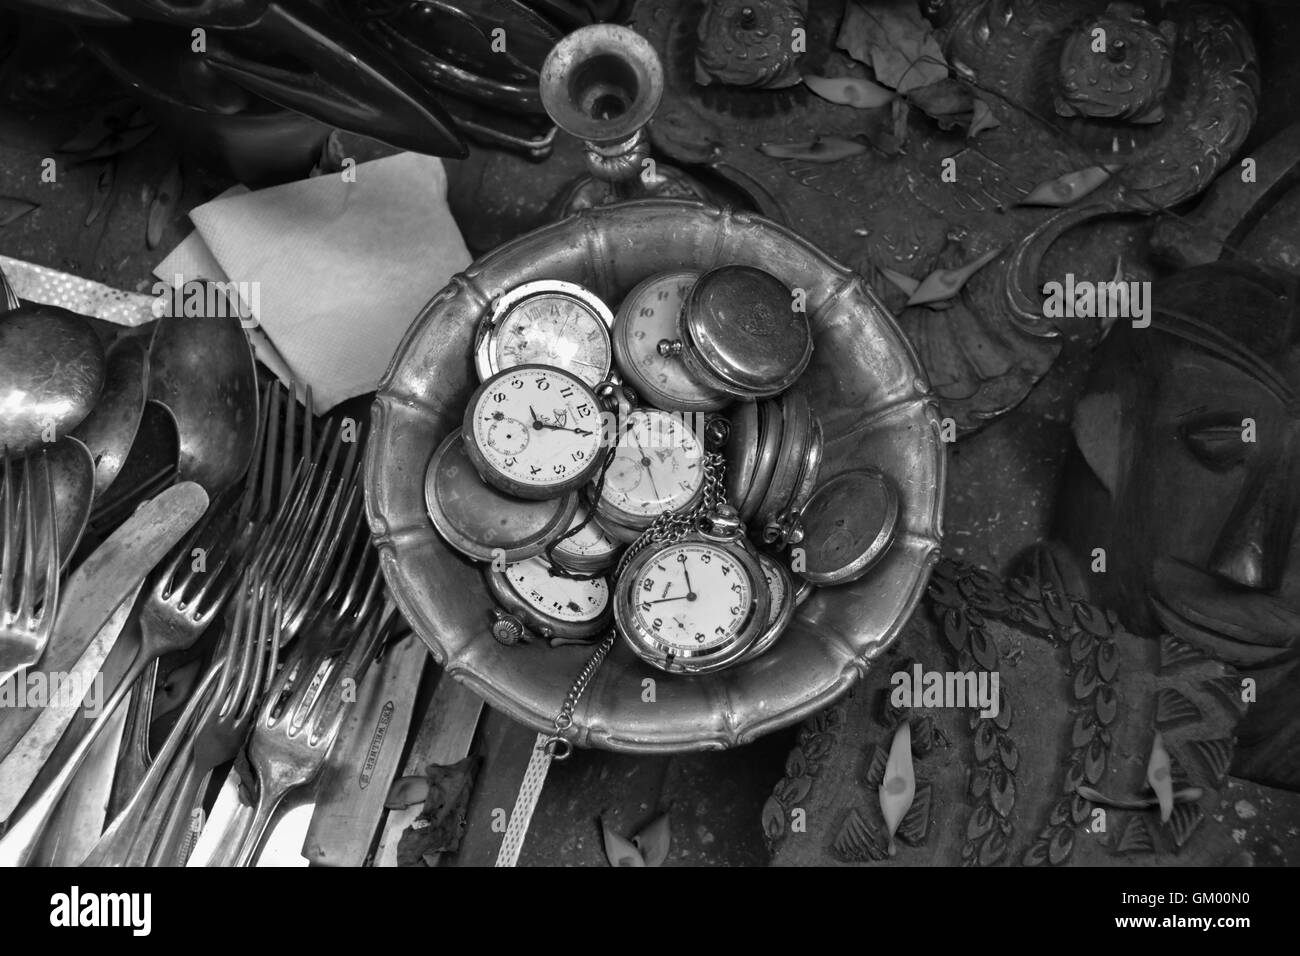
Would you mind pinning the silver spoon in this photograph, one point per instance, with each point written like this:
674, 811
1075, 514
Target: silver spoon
72, 471
109, 430
51, 374
202, 371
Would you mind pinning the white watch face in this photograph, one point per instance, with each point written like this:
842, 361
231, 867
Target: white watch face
553, 328
590, 542
538, 427
776, 583
658, 465
648, 317
692, 597
557, 597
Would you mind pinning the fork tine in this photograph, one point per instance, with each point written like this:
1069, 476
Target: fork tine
31, 544
53, 560
8, 539
290, 435
309, 426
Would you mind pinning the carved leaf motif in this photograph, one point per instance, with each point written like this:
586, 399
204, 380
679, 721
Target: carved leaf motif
795, 763
1003, 793
857, 840
1093, 620
1003, 718
876, 769
956, 627
1215, 755
979, 782
1060, 845
1036, 855
916, 822
965, 660
980, 823
1073, 775
773, 819
983, 649
1085, 728
1227, 689
818, 746
985, 741
1134, 836
1081, 646
1184, 821
1085, 681
1174, 710
1059, 609
943, 593
1107, 704
1094, 762
793, 789
1060, 813
1079, 808
1107, 660
1034, 617
1026, 587
993, 849
1008, 753
1174, 652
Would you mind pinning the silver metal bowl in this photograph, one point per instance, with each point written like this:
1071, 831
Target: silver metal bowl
864, 381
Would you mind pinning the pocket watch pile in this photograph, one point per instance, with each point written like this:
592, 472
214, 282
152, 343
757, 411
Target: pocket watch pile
649, 470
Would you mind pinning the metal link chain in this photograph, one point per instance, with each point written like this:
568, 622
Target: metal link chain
557, 745
672, 525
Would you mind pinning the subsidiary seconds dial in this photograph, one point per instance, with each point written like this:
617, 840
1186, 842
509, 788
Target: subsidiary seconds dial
534, 431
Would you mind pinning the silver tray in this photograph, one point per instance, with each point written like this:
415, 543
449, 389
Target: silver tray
864, 382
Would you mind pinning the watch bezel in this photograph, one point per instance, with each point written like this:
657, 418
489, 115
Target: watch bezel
486, 335
508, 598
488, 472
638, 523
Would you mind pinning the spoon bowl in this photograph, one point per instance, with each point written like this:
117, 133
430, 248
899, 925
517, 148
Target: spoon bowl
72, 471
52, 371
202, 372
109, 430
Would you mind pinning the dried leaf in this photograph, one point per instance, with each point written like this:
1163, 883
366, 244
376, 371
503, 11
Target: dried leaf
849, 91
654, 840
12, 209
904, 282
982, 118
1067, 189
943, 284
823, 149
899, 785
947, 102
407, 792
1160, 778
618, 851
103, 191
163, 207
893, 39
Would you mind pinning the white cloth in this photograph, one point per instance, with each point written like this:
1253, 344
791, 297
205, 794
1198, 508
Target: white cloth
343, 264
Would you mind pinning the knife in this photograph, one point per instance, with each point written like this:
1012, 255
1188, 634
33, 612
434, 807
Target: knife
84, 630
448, 731
352, 790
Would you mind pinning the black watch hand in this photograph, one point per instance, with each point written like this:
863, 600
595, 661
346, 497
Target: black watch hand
645, 461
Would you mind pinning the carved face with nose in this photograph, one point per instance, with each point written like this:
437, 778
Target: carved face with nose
1190, 431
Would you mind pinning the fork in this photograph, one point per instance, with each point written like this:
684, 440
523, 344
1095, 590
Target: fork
177, 612
300, 721
242, 672
27, 603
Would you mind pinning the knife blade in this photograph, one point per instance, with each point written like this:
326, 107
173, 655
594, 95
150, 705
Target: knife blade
88, 626
352, 790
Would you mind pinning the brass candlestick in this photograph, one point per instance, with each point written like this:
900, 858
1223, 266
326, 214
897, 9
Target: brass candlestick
602, 84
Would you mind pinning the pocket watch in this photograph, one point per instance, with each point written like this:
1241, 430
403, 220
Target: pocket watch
781, 610
752, 445
799, 454
589, 550
482, 522
740, 333
648, 316
534, 431
657, 466
694, 603
845, 527
536, 602
548, 322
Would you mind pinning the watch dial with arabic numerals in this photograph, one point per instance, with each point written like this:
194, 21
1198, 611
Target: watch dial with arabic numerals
554, 328
591, 543
692, 597
564, 599
658, 466
534, 431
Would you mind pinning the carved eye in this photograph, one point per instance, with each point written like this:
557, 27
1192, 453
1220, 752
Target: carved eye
1216, 442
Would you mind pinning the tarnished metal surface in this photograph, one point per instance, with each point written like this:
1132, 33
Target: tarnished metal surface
864, 381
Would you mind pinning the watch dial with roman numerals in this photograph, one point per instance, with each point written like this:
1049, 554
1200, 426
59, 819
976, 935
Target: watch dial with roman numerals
534, 431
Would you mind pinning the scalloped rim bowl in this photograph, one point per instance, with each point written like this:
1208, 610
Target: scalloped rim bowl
864, 382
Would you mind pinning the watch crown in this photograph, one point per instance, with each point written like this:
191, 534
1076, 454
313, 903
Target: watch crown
724, 522
507, 628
